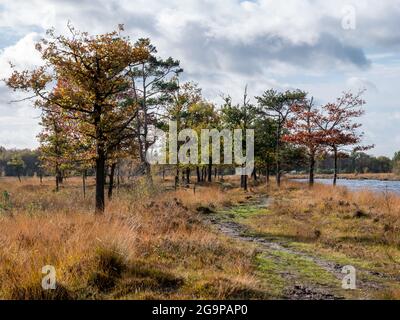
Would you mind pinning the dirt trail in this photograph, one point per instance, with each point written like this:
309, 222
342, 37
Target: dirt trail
296, 287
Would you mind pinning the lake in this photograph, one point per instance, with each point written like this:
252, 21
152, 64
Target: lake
373, 185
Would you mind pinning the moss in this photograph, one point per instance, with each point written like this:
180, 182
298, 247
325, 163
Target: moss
305, 268
242, 212
269, 271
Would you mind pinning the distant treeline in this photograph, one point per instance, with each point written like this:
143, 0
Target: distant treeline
358, 162
14, 162
28, 163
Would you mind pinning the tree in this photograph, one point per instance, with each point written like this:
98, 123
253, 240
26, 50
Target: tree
264, 144
153, 80
305, 131
202, 115
338, 126
178, 103
396, 162
92, 79
239, 116
278, 105
18, 164
56, 141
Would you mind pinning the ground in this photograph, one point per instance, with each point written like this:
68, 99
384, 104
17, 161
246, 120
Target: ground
212, 242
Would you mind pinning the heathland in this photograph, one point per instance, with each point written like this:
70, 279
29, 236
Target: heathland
203, 243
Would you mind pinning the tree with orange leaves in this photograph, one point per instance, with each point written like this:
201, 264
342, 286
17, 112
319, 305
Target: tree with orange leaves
91, 73
338, 126
304, 130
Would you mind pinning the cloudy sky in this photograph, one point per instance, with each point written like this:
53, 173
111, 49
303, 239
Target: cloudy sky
321, 46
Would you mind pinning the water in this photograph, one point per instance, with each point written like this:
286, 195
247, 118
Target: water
357, 185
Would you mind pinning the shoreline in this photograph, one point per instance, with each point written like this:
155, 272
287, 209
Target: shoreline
349, 176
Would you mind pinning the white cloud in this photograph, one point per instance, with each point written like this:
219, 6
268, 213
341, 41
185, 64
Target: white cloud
226, 44
22, 54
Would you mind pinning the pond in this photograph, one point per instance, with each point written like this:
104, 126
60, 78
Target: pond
356, 185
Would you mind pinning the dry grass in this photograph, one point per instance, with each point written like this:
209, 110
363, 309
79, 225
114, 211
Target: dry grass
148, 244
358, 227
153, 244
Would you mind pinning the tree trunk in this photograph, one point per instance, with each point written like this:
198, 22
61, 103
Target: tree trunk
245, 182
254, 174
311, 172
278, 160
84, 183
176, 178
187, 175
148, 173
198, 174
335, 153
58, 178
118, 176
100, 181
215, 173
111, 181
209, 169
267, 174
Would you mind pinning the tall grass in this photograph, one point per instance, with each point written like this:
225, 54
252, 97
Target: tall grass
148, 244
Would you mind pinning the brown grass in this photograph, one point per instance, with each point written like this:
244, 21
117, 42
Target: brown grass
364, 226
148, 244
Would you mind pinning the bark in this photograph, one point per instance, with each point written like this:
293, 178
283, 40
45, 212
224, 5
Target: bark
118, 176
267, 173
58, 178
254, 174
187, 175
245, 182
145, 128
111, 181
278, 160
84, 183
100, 162
100, 180
335, 153
176, 178
209, 169
198, 174
312, 167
